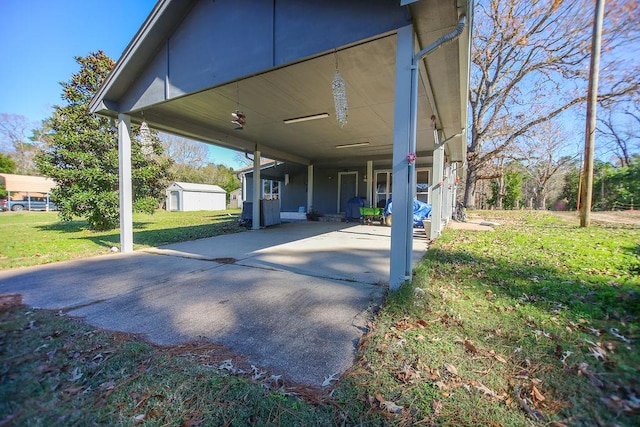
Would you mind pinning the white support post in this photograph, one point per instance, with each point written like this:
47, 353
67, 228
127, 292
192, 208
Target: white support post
370, 183
454, 183
126, 192
309, 188
446, 205
257, 189
437, 191
401, 245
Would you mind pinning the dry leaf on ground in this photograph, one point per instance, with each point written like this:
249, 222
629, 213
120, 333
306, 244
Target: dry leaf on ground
436, 406
391, 407
485, 390
470, 347
536, 394
452, 369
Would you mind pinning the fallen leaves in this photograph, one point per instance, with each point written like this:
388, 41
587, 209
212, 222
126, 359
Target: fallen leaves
616, 333
329, 379
451, 369
469, 347
388, 406
583, 369
391, 407
535, 393
527, 405
485, 390
620, 405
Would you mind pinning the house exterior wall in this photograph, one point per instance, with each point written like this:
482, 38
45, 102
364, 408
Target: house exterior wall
294, 194
325, 192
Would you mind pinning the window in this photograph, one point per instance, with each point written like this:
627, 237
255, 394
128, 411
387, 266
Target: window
270, 189
383, 187
423, 181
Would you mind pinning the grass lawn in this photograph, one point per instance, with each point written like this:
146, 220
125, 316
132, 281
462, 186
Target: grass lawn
536, 323
32, 238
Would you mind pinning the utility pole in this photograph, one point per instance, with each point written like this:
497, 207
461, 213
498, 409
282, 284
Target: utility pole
592, 99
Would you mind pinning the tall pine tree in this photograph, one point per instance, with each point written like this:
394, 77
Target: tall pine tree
81, 154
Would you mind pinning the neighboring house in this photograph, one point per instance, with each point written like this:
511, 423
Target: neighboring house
186, 196
352, 98
24, 188
235, 199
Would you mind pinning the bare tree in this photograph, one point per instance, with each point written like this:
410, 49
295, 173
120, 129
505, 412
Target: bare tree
529, 65
545, 156
243, 159
619, 128
15, 142
184, 151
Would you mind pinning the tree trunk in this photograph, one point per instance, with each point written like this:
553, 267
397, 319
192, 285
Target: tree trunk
500, 193
469, 200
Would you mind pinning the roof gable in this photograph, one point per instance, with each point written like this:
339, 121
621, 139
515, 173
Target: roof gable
190, 186
187, 46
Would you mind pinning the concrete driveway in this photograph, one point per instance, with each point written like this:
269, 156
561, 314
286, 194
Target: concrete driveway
293, 298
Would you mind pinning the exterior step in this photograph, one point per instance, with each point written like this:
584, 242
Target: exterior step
332, 218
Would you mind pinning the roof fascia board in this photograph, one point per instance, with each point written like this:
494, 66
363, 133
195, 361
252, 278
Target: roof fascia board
222, 139
158, 11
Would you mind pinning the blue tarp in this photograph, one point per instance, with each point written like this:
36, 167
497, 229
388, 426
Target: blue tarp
352, 210
421, 211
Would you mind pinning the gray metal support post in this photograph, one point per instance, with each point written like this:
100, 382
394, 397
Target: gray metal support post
401, 136
126, 192
370, 199
309, 188
257, 189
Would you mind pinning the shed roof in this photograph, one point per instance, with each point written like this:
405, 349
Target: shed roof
202, 188
27, 183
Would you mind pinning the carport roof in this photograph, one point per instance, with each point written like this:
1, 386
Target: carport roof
144, 79
27, 183
202, 188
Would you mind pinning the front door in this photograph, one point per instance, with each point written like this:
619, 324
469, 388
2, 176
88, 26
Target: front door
347, 188
174, 201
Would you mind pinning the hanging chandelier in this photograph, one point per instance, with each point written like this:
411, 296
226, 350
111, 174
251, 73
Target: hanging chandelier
239, 118
339, 90
146, 141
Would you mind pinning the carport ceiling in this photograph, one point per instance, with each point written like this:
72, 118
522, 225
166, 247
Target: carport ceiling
304, 89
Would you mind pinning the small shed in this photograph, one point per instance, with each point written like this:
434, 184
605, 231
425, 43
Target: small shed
186, 196
235, 200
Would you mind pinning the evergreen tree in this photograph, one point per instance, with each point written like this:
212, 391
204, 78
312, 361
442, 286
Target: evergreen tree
7, 165
81, 154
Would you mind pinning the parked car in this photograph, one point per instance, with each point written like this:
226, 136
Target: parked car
24, 204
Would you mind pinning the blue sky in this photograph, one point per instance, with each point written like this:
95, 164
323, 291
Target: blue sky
40, 38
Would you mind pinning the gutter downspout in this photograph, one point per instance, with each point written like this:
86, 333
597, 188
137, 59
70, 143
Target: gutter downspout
413, 120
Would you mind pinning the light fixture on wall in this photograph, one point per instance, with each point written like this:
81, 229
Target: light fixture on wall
306, 118
146, 142
339, 90
355, 144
